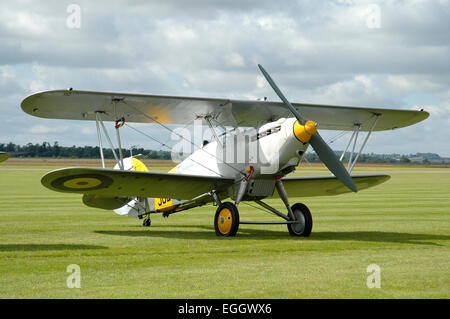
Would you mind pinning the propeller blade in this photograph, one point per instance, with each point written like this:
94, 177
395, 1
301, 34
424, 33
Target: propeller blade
324, 152
300, 118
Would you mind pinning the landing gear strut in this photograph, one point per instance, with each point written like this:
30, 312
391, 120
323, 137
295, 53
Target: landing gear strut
226, 219
299, 215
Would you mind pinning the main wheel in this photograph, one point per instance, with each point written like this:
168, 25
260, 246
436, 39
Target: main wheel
226, 220
303, 218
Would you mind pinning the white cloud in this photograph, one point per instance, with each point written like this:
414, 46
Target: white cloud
42, 129
88, 131
317, 52
25, 23
234, 59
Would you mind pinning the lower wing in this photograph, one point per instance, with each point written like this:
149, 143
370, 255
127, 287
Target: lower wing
116, 183
327, 185
110, 183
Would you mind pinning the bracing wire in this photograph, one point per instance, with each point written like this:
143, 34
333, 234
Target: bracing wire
337, 136
181, 136
163, 144
260, 208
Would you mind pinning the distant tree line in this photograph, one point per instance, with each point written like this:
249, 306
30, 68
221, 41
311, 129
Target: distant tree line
424, 158
364, 158
48, 150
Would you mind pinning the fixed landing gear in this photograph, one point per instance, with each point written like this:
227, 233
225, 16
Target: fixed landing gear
226, 220
303, 221
147, 222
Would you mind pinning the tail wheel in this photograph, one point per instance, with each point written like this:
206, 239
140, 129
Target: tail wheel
226, 220
303, 218
147, 222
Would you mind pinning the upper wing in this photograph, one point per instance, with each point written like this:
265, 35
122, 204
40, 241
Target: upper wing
327, 185
82, 105
116, 183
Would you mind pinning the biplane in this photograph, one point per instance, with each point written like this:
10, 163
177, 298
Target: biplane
256, 145
4, 156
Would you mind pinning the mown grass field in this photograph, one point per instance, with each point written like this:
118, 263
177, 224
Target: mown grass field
403, 226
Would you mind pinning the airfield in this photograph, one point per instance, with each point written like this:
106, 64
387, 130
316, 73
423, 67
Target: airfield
403, 226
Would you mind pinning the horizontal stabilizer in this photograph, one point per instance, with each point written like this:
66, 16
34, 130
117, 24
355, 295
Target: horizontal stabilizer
102, 202
4, 156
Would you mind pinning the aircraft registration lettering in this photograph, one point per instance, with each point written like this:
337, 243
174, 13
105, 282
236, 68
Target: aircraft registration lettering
163, 204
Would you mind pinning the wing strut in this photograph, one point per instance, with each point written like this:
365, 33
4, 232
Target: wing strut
357, 128
99, 136
351, 163
208, 120
119, 123
348, 145
98, 120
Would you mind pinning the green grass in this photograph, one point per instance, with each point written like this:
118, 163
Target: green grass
403, 226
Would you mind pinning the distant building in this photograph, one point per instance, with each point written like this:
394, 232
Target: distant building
416, 159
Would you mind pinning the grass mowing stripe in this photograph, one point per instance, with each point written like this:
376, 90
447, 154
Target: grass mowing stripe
402, 225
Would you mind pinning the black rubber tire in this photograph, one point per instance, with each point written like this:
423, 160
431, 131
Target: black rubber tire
147, 222
234, 220
301, 211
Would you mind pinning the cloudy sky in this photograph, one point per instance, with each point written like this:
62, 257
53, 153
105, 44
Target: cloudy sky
382, 54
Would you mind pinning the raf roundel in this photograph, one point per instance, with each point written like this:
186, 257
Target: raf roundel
82, 183
85, 182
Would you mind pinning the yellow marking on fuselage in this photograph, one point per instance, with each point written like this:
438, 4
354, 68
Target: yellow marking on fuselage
138, 165
161, 204
165, 204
